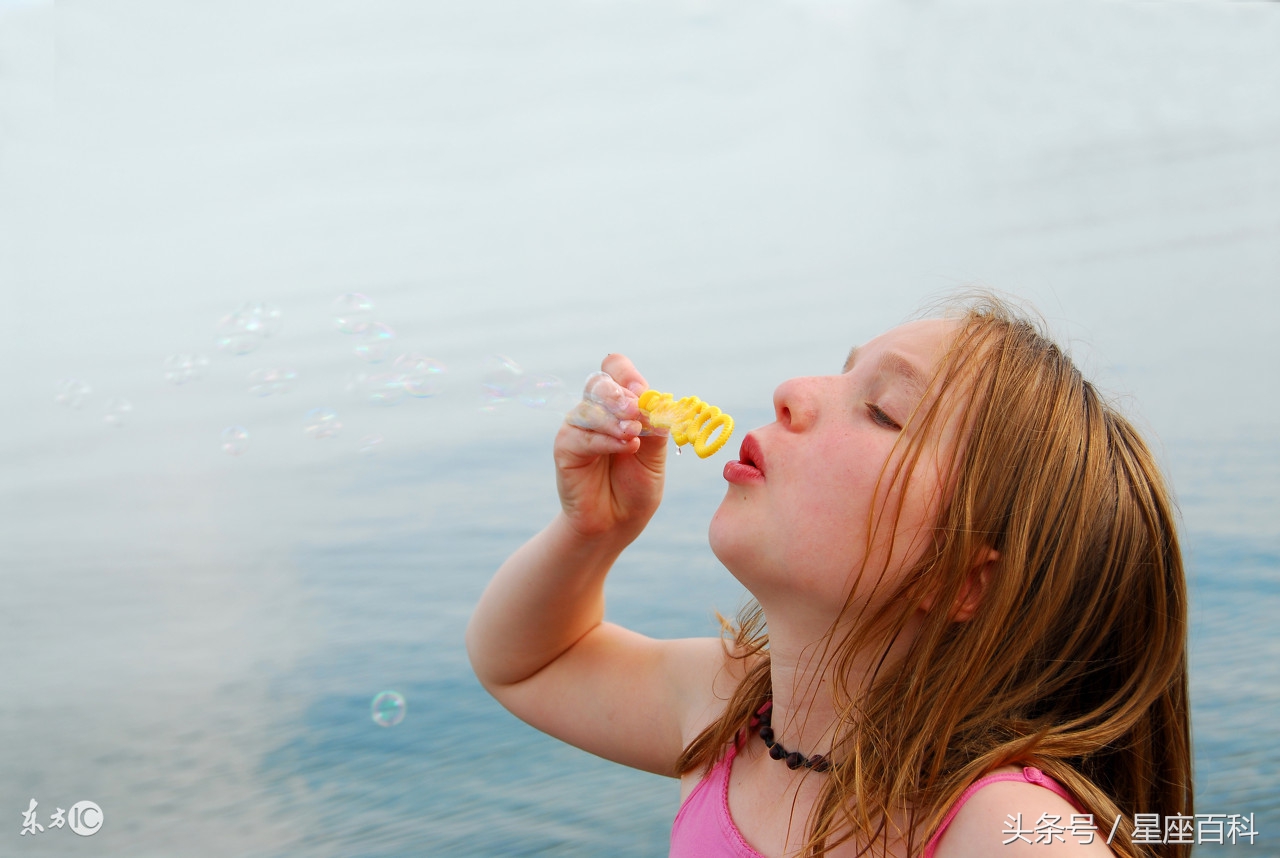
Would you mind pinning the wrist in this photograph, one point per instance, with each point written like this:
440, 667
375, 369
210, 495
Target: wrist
603, 546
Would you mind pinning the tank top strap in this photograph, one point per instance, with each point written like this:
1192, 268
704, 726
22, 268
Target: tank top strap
1029, 774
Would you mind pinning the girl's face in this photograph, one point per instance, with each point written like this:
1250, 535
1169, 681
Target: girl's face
794, 522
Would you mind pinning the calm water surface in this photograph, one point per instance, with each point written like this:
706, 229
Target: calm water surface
732, 194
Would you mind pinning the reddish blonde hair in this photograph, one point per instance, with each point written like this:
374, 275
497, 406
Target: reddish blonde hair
1075, 660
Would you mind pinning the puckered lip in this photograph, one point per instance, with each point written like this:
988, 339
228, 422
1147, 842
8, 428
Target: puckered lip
750, 453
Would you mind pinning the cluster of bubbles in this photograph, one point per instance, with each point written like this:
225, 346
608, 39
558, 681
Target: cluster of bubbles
505, 381
410, 375
241, 332
396, 378
72, 393
388, 708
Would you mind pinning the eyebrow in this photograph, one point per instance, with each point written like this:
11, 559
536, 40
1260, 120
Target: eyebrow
895, 363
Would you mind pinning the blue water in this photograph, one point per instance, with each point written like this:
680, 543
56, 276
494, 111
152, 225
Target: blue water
731, 193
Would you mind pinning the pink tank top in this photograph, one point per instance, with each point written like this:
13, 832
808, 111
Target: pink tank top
704, 828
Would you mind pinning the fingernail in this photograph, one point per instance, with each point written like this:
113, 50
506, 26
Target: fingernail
637, 387
630, 427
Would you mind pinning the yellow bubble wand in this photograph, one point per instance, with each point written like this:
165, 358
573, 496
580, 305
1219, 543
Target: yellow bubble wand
689, 420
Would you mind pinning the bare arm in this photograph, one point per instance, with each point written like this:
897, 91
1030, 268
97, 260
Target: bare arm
543, 599
538, 641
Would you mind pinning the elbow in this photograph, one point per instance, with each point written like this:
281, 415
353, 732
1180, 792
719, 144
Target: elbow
483, 662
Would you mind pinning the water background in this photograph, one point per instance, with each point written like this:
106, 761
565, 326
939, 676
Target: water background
731, 193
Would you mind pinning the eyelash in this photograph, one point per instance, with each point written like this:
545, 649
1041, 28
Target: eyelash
878, 415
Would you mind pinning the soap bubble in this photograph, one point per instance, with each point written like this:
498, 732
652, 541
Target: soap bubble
117, 412
269, 382
388, 708
374, 342
235, 440
71, 392
237, 334
322, 423
369, 444
501, 381
181, 368
604, 401
421, 374
537, 391
261, 319
383, 388
386, 388
352, 312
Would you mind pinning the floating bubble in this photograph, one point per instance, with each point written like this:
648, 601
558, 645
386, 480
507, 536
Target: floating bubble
322, 423
351, 312
235, 440
604, 401
261, 319
421, 374
71, 392
537, 391
117, 412
369, 444
270, 382
384, 388
501, 382
374, 342
388, 708
238, 334
179, 369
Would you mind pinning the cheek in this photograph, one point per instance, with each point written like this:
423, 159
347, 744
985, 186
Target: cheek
826, 525
918, 517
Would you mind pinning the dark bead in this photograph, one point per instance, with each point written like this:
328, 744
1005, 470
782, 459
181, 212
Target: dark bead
766, 733
777, 752
794, 760
818, 763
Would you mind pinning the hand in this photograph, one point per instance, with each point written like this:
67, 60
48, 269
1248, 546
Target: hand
609, 477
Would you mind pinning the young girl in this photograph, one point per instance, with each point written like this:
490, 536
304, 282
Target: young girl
968, 633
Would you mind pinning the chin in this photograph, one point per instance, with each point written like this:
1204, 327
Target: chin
731, 542
721, 536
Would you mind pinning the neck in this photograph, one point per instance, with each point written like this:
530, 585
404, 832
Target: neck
804, 716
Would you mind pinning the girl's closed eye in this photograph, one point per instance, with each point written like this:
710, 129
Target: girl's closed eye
879, 416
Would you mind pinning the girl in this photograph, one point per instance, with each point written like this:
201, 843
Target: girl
968, 633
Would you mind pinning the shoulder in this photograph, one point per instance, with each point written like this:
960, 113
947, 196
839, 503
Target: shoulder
707, 672
1015, 818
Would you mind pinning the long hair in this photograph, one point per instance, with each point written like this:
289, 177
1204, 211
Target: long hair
1075, 660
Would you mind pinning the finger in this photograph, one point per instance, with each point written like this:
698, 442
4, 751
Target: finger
594, 417
653, 451
624, 372
576, 447
601, 389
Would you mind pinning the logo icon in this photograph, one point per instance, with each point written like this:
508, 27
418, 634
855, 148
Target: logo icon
85, 818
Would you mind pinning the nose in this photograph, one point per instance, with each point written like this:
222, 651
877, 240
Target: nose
795, 402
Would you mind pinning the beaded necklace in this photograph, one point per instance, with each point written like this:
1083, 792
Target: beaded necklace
795, 759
